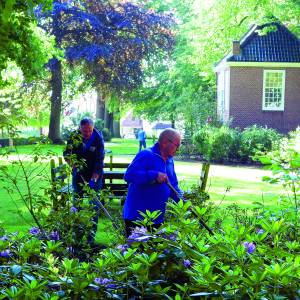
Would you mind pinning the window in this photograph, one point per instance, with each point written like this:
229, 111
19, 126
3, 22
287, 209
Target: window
273, 90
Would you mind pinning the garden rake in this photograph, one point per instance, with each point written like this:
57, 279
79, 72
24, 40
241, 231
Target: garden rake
115, 225
202, 223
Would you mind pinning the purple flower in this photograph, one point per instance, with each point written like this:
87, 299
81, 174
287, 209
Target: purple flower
139, 234
34, 231
250, 247
123, 248
73, 209
140, 230
103, 281
187, 263
70, 249
111, 286
5, 253
106, 281
98, 280
54, 236
4, 238
171, 237
260, 231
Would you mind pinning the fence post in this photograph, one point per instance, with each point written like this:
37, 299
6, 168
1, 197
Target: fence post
111, 165
52, 166
204, 175
53, 183
110, 162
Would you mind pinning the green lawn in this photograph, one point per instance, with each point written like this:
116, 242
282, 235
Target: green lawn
226, 185
115, 147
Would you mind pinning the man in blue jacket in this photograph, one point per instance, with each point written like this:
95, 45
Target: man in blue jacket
85, 154
147, 176
142, 139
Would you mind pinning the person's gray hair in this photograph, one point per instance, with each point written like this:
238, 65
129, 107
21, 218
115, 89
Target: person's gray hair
168, 133
86, 121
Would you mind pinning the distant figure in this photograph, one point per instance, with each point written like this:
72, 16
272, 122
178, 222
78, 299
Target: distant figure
208, 120
142, 139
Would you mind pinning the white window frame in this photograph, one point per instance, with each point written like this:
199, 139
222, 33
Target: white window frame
281, 107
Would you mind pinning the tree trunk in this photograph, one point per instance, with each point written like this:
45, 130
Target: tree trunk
116, 128
56, 99
106, 118
108, 121
10, 144
100, 109
111, 124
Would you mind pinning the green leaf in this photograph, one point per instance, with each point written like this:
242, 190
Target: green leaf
265, 160
153, 257
16, 269
295, 163
182, 288
178, 297
6, 13
28, 277
203, 294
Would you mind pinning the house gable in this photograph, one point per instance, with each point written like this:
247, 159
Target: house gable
253, 59
275, 46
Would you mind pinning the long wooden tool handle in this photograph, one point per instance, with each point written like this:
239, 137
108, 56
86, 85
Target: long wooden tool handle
180, 197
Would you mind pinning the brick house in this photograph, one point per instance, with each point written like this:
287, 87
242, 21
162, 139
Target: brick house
258, 82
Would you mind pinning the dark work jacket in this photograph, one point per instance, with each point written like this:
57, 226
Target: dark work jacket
144, 193
90, 155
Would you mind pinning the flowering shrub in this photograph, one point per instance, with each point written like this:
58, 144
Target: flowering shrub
249, 255
179, 258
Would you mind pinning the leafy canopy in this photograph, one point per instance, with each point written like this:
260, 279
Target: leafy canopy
22, 44
112, 39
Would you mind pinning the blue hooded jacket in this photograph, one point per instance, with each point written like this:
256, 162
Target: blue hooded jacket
144, 193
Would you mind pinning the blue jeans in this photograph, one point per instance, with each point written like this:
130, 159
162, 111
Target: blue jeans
142, 144
77, 184
95, 218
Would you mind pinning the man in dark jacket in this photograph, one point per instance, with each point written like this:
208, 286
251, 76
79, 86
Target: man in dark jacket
147, 176
85, 154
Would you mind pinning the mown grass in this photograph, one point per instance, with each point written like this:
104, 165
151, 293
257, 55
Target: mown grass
115, 147
227, 185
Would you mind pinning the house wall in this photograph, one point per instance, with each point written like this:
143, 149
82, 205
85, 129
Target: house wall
220, 92
223, 94
246, 90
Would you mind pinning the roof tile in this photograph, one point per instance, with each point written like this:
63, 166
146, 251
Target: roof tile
276, 46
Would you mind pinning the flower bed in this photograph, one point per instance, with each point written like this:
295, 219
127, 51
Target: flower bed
254, 260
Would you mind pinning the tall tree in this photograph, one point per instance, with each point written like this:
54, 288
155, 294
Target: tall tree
24, 49
185, 85
113, 39
22, 43
175, 90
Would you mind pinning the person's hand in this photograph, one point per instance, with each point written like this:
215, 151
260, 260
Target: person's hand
162, 177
